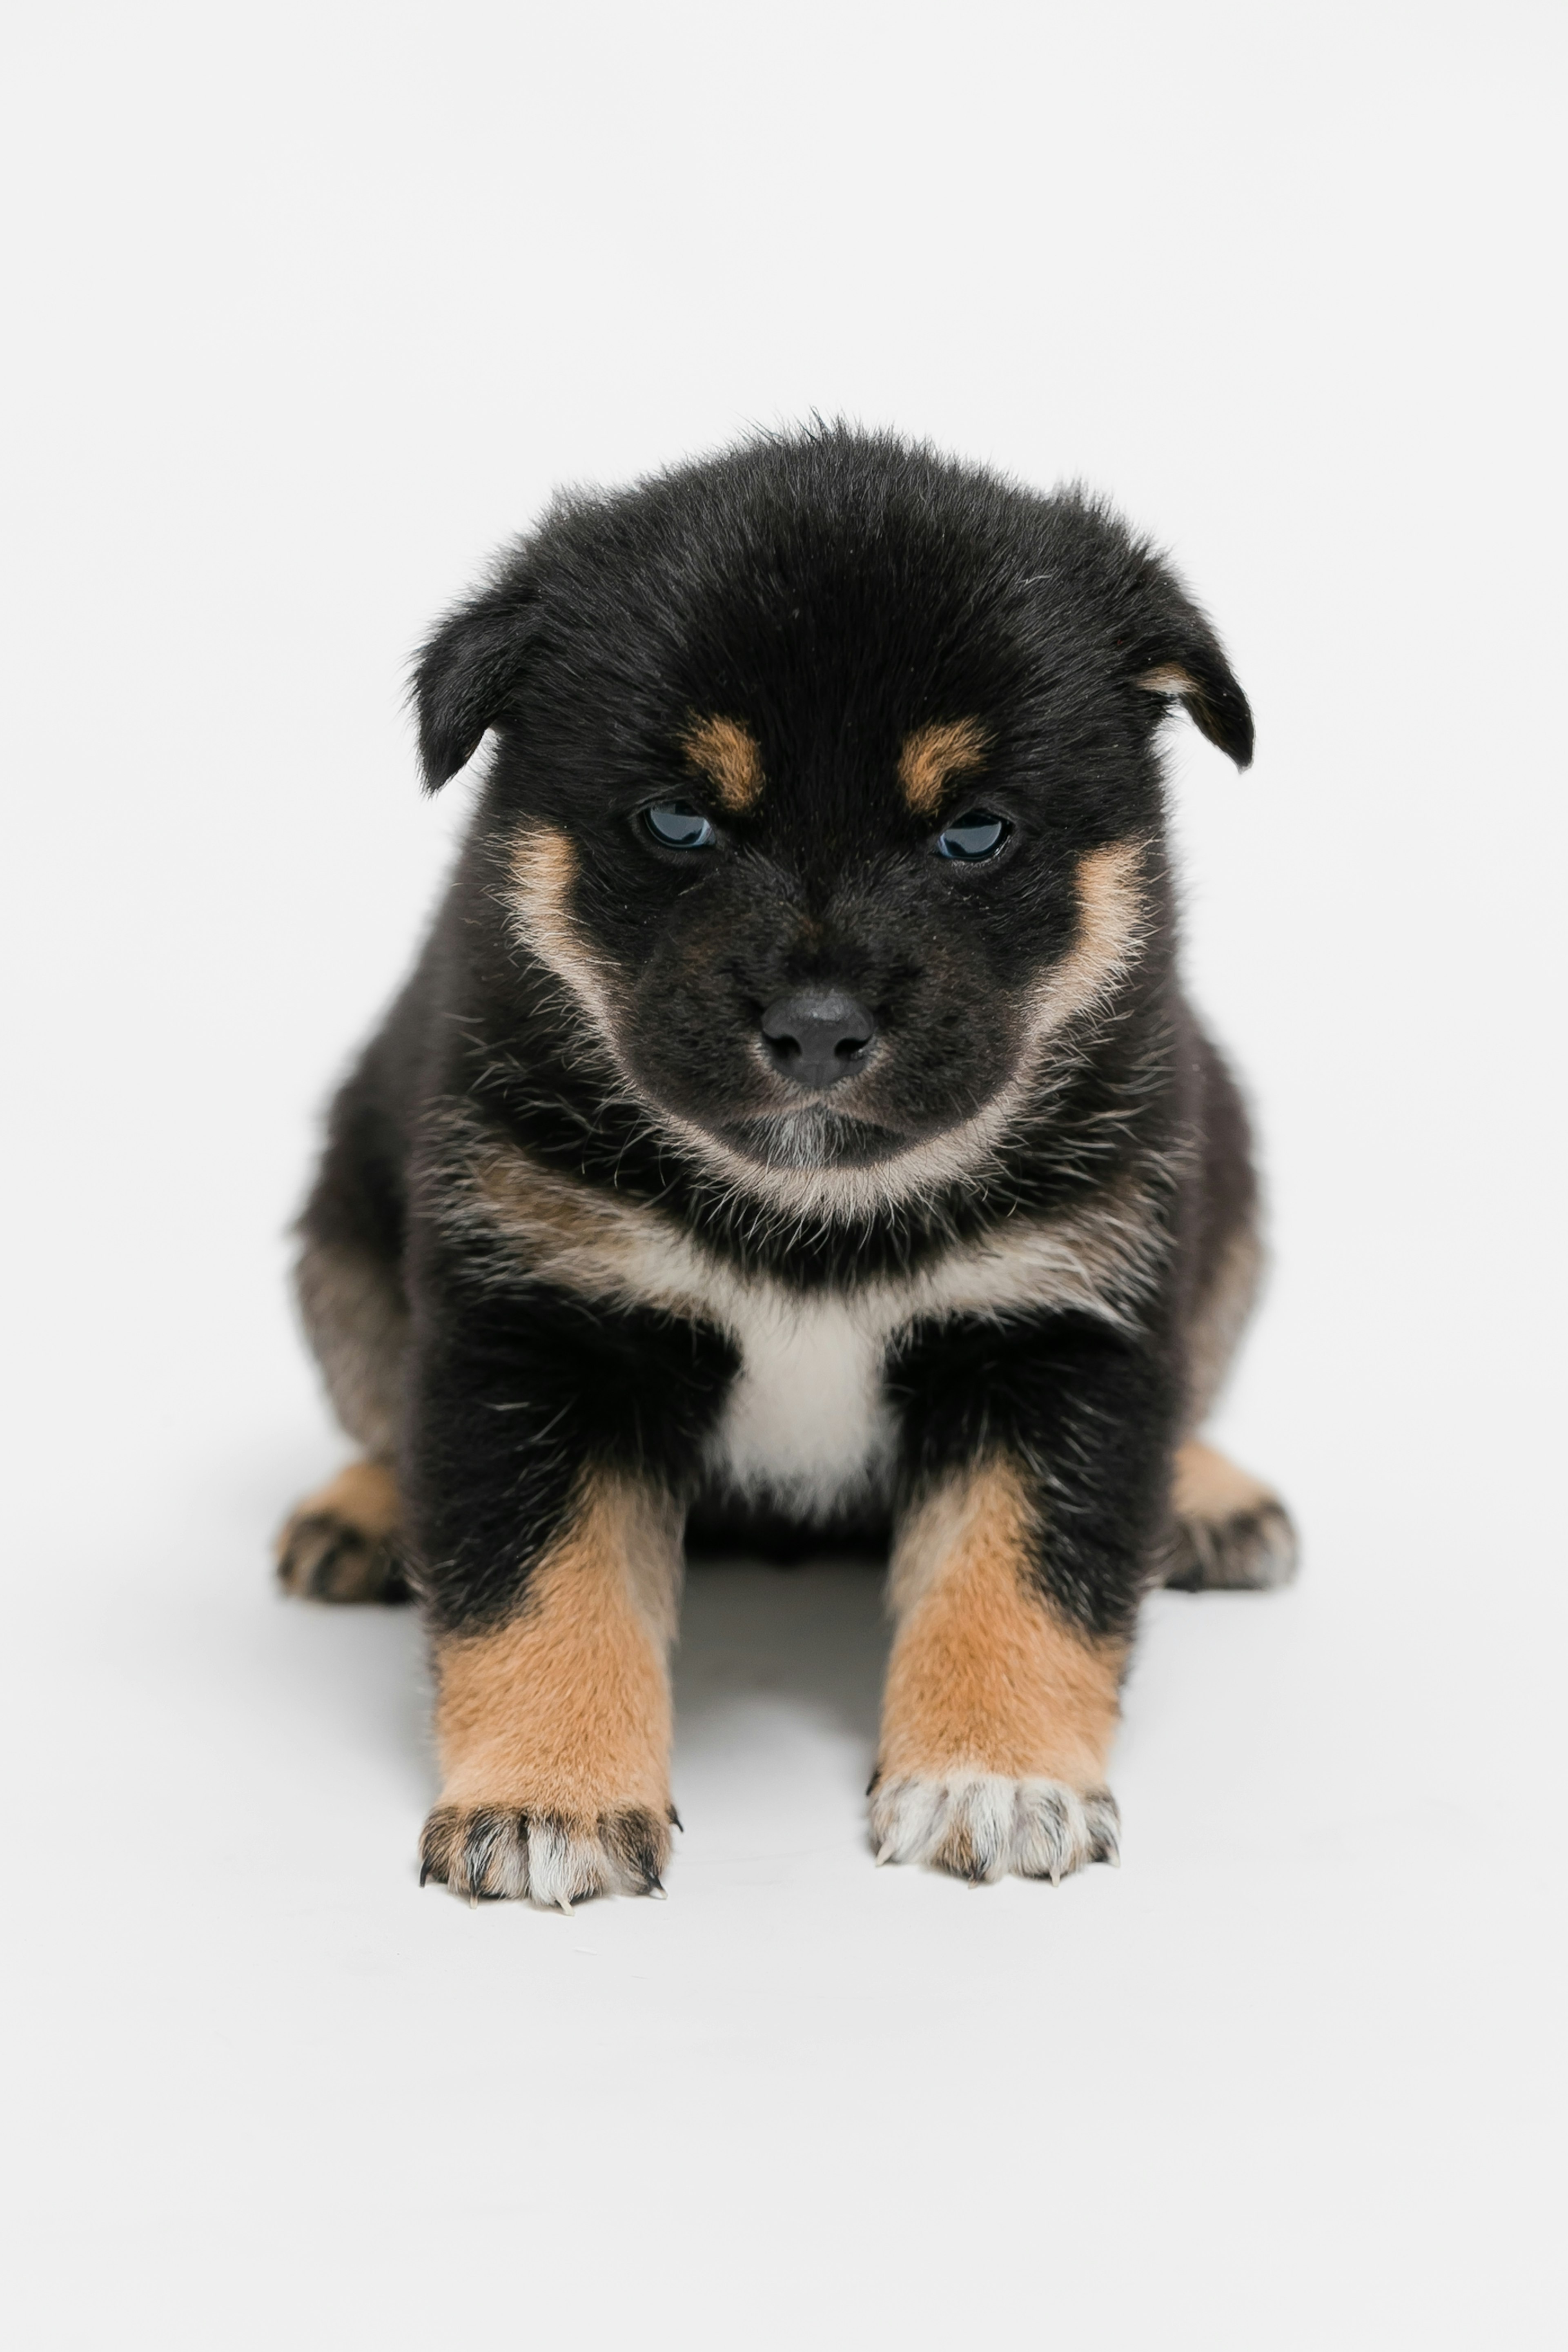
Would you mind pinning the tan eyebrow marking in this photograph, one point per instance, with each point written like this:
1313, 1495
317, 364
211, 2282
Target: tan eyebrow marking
728, 755
931, 754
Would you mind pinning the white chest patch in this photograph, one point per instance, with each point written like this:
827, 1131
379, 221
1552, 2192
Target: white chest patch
806, 1425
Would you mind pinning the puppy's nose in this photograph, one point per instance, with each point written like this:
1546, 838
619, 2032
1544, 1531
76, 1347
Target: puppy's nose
815, 1036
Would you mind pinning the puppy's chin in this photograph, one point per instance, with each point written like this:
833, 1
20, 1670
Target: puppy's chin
815, 1136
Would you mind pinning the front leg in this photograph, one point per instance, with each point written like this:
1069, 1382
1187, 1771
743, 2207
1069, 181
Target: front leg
554, 1728
548, 1440
1035, 1475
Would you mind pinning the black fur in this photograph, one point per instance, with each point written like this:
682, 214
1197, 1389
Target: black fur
830, 593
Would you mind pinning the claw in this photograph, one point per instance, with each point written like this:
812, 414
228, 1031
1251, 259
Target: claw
657, 1889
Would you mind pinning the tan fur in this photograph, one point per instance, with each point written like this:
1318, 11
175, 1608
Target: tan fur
358, 1324
1097, 1259
1111, 932
566, 1709
1208, 1486
807, 1413
342, 1544
933, 754
543, 871
728, 755
1229, 1533
1111, 902
364, 1496
1170, 678
984, 1677
1217, 1320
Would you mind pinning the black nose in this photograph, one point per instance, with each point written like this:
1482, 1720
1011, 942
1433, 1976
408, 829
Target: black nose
816, 1036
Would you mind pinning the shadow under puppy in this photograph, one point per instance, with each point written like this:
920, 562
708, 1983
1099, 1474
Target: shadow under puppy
795, 1126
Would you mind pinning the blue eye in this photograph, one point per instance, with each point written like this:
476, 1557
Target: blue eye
975, 833
678, 826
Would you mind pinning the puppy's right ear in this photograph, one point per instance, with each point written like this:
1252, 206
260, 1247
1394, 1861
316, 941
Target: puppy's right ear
469, 670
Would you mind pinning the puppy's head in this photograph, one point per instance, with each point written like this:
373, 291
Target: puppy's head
825, 787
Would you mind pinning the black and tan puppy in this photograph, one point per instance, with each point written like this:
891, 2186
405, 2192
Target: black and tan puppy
794, 1126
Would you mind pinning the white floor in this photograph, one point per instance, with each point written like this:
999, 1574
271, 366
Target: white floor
314, 304
1282, 2079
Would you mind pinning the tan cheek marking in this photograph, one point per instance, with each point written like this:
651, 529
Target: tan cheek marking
1111, 932
1206, 1485
1109, 902
931, 754
984, 1676
566, 1709
543, 869
543, 866
727, 753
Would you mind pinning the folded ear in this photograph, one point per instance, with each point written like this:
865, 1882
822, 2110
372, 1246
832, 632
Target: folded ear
1174, 651
469, 670
1211, 698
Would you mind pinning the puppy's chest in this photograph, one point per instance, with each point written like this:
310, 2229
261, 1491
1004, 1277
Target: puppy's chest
806, 1424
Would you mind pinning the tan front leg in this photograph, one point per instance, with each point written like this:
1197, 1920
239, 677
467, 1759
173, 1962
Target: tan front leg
553, 1729
998, 1713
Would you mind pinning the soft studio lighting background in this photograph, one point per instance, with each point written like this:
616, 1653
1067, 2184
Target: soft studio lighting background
309, 309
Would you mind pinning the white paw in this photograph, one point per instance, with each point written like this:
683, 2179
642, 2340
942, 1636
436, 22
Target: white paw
980, 1826
493, 1852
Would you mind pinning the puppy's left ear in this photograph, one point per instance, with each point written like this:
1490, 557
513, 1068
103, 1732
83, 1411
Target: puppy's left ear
468, 672
1174, 651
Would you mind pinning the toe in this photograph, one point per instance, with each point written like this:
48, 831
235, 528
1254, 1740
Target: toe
982, 1825
1254, 1551
637, 1845
496, 1853
1049, 1837
977, 1836
322, 1557
1103, 1823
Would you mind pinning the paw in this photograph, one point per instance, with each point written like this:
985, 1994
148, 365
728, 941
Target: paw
321, 1558
980, 1826
342, 1544
1253, 1551
1231, 1534
495, 1853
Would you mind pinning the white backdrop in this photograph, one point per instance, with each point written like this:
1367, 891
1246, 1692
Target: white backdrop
311, 306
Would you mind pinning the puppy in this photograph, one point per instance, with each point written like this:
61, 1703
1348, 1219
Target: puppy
794, 1126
